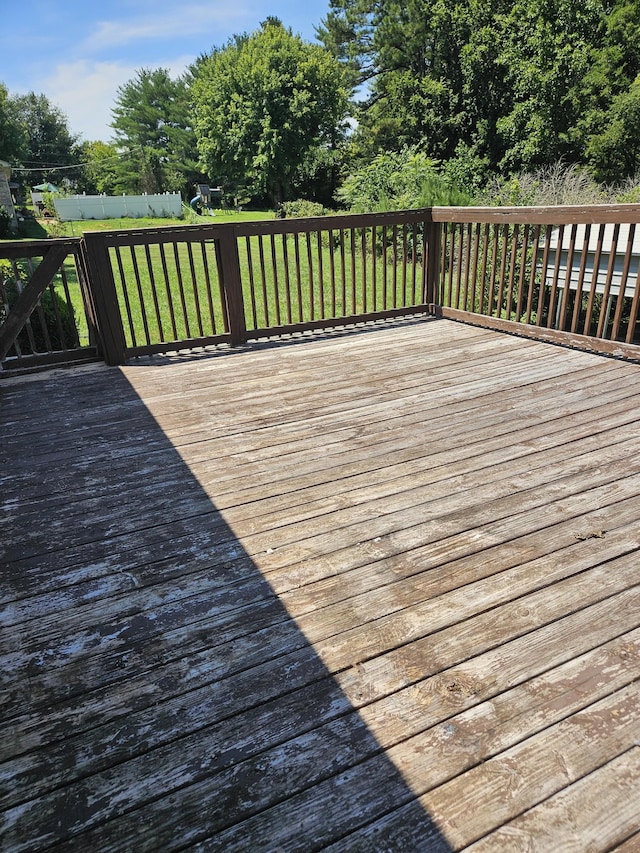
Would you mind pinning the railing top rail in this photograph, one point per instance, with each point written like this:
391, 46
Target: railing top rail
333, 222
548, 215
33, 248
213, 230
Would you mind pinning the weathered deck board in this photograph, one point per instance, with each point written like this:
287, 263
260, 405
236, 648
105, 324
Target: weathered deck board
363, 592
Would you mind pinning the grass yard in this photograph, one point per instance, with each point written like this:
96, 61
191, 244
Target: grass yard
172, 292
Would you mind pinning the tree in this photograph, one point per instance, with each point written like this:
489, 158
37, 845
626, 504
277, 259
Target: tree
410, 56
154, 133
615, 152
12, 135
546, 50
47, 144
100, 162
488, 83
269, 107
607, 130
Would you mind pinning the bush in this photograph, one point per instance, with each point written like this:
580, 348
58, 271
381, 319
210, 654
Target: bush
301, 208
399, 181
52, 304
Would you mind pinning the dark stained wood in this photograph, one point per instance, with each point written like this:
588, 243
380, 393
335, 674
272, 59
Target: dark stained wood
354, 592
27, 300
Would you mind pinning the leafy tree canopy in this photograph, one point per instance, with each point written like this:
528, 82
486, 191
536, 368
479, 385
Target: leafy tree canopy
494, 86
42, 142
12, 135
268, 106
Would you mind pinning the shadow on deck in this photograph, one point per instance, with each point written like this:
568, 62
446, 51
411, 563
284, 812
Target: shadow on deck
156, 693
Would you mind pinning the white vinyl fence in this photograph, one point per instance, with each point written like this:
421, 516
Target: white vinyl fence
79, 207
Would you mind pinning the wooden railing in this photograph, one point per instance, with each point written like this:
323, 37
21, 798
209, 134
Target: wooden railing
568, 274
167, 288
46, 306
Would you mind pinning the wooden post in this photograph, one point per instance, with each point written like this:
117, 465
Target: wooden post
433, 231
105, 299
229, 266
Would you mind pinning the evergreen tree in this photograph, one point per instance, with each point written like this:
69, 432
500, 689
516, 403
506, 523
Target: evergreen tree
154, 133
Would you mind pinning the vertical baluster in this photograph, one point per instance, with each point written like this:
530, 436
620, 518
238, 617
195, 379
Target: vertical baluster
394, 261
181, 289
332, 273
494, 264
167, 287
554, 280
453, 230
486, 239
252, 282
209, 289
67, 295
363, 268
384, 268
523, 271
623, 283
275, 279
603, 320
343, 273
515, 234
312, 293
57, 318
321, 275
503, 268
374, 268
154, 291
581, 276
404, 265
467, 265
141, 302
296, 245
125, 295
594, 281
263, 279
474, 265
287, 278
532, 274
566, 290
352, 257
194, 284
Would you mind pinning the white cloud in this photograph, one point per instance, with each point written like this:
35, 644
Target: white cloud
181, 21
86, 92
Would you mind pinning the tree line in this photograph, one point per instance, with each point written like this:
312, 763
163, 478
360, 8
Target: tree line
401, 102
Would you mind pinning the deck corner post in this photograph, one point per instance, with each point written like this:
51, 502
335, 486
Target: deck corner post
229, 267
112, 343
432, 239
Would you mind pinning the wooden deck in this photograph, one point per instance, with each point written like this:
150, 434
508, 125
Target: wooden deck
377, 591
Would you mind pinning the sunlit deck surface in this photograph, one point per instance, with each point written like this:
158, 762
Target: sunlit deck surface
376, 591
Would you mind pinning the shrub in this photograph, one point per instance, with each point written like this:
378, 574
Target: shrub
400, 180
301, 208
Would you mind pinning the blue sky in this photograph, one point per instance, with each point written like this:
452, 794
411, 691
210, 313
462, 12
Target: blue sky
77, 52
